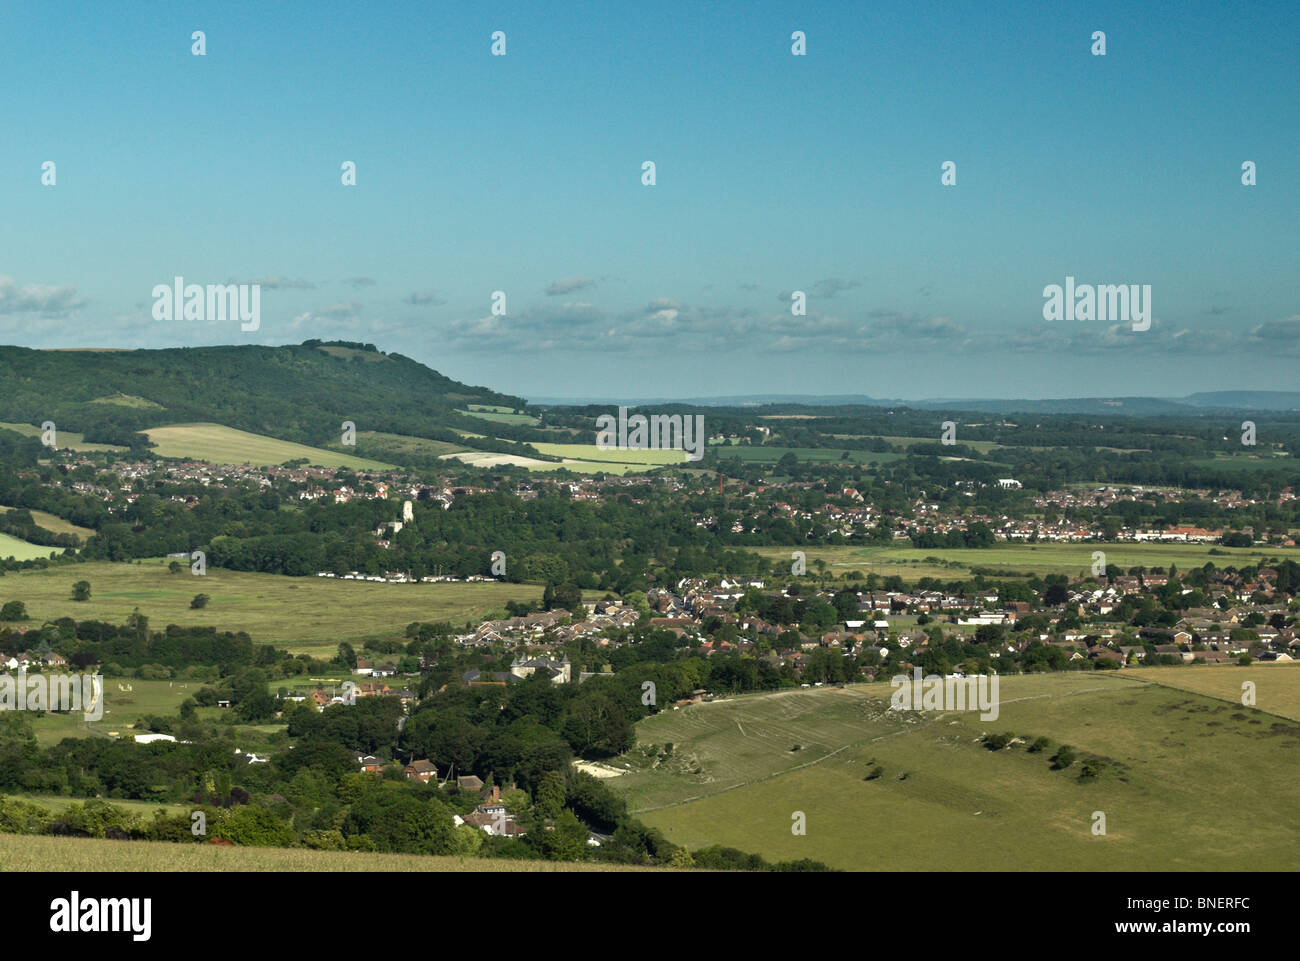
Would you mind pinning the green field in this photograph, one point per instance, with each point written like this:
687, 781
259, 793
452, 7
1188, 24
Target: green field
1075, 559
122, 709
404, 443
1250, 462
590, 459
128, 400
351, 353
19, 549
498, 417
128, 699
1277, 684
226, 445
37, 853
55, 525
144, 809
1198, 787
592, 453
62, 438
304, 614
983, 446
814, 455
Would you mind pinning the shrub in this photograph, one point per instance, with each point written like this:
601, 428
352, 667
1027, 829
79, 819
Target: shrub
324, 840
1063, 758
22, 817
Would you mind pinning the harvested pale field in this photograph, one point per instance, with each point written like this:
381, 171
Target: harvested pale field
596, 769
487, 459
218, 444
644, 457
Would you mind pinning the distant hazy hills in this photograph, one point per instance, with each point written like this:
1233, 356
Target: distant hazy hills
1248, 399
1263, 400
304, 392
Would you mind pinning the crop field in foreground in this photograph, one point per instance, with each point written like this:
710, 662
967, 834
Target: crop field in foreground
39, 853
1196, 783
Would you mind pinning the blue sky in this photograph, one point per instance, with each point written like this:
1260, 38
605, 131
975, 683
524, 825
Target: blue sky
775, 173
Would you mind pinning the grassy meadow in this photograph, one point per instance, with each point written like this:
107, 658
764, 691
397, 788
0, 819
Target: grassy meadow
122, 710
502, 417
1074, 559
404, 443
21, 550
62, 438
592, 453
128, 400
1196, 784
144, 809
1277, 684
812, 455
53, 524
129, 699
304, 614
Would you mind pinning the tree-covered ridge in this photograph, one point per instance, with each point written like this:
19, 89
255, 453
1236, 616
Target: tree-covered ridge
301, 392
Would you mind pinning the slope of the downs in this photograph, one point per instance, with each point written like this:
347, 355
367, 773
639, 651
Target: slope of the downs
1176, 780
